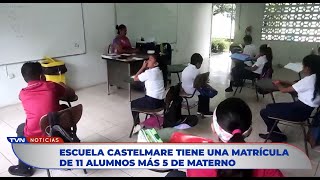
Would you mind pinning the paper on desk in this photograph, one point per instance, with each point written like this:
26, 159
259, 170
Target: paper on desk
125, 54
109, 56
296, 67
137, 58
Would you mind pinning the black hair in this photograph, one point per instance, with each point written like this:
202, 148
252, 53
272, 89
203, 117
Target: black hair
232, 114
312, 61
196, 58
267, 51
247, 39
120, 27
31, 71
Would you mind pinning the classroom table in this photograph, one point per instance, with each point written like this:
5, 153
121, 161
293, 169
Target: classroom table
120, 67
176, 68
296, 67
267, 86
69, 99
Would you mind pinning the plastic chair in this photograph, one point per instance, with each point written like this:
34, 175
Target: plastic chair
150, 112
186, 96
302, 124
68, 120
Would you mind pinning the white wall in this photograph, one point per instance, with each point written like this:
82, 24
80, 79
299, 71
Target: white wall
194, 31
283, 51
83, 70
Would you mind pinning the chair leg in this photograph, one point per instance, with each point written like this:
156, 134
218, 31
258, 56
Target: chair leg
48, 173
244, 81
257, 94
274, 125
235, 91
134, 124
272, 97
188, 106
305, 140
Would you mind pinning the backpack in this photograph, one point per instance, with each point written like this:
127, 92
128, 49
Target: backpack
172, 113
56, 130
313, 135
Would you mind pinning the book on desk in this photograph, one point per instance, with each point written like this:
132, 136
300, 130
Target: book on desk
239, 56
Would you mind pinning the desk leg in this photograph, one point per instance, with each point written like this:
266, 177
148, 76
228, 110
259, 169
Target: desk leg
179, 77
129, 84
299, 75
108, 85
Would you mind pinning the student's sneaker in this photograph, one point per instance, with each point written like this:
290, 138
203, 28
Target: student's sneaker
275, 137
229, 89
136, 129
15, 170
206, 114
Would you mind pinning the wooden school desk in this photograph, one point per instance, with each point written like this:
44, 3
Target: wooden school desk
120, 67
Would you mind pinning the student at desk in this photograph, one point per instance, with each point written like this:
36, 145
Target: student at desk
121, 44
38, 99
242, 72
152, 76
308, 90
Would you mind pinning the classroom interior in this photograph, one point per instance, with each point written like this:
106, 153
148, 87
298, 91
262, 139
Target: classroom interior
107, 118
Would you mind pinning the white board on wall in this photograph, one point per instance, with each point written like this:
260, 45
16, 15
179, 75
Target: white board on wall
147, 20
30, 31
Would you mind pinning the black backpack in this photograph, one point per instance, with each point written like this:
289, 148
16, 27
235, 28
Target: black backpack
172, 114
55, 130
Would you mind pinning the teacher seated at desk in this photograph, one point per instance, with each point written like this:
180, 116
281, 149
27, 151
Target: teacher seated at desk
121, 44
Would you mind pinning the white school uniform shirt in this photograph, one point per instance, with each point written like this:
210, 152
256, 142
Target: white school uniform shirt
188, 76
250, 50
305, 89
261, 61
153, 82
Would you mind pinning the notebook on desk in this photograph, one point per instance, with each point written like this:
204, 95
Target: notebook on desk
296, 67
241, 57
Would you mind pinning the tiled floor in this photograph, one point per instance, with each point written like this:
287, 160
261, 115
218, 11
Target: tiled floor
108, 119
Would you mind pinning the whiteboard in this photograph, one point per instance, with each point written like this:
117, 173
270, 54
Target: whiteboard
30, 31
148, 20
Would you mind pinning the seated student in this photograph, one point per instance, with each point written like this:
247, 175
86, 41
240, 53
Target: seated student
308, 90
241, 72
232, 122
189, 74
249, 48
121, 44
38, 99
152, 77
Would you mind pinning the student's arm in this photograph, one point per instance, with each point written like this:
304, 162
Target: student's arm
143, 67
68, 92
283, 89
252, 68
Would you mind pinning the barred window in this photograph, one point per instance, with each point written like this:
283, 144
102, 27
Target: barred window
298, 22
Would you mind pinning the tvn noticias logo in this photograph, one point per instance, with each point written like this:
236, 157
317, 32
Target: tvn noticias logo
17, 140
35, 139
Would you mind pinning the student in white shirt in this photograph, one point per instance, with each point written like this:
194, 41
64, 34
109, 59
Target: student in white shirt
188, 76
308, 90
255, 70
249, 48
152, 76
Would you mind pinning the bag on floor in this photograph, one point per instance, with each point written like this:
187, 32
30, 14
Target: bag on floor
191, 120
153, 122
313, 135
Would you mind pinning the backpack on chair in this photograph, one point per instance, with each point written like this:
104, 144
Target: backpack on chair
56, 130
62, 123
172, 113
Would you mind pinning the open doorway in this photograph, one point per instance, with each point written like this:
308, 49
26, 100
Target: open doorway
222, 35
